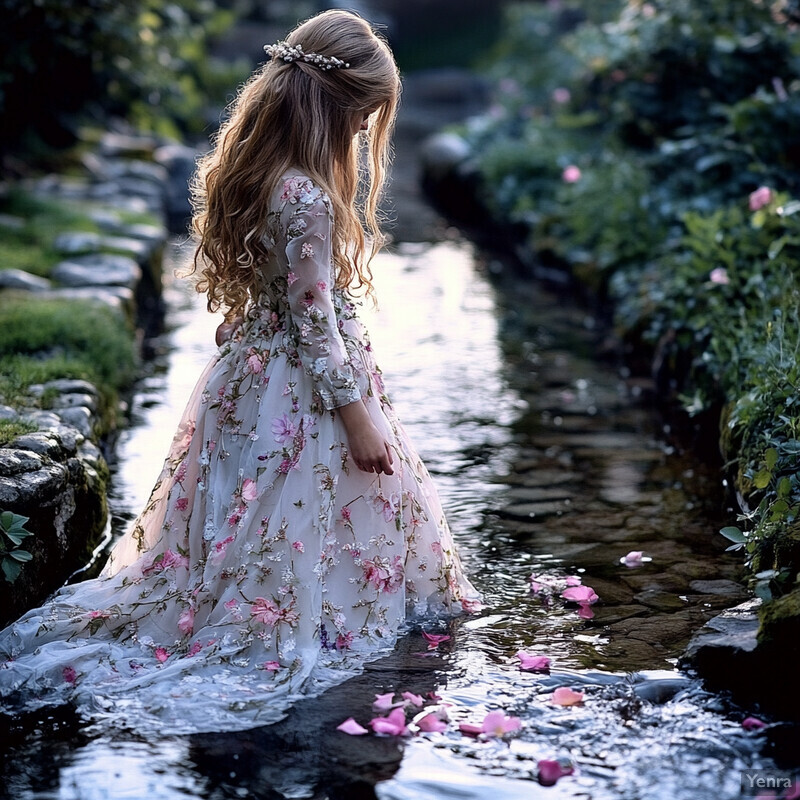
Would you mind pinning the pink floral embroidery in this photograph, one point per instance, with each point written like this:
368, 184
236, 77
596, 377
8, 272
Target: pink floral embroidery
283, 429
182, 503
307, 250
186, 621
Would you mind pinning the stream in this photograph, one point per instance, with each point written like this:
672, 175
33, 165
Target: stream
548, 464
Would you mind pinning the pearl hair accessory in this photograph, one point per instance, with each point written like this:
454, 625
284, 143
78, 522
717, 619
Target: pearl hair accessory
290, 53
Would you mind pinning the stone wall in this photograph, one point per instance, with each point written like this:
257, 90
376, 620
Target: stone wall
57, 475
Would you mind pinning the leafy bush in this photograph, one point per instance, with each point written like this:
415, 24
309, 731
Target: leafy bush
143, 59
12, 535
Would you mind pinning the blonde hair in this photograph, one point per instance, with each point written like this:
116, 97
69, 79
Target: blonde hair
296, 115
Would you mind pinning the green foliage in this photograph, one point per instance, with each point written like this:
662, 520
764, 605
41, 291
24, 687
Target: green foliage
145, 58
12, 535
670, 114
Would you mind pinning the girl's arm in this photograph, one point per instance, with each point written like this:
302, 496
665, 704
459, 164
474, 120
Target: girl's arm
320, 344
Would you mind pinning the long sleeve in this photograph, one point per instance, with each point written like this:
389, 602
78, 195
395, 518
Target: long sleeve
320, 345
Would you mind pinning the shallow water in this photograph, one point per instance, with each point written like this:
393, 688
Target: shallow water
546, 464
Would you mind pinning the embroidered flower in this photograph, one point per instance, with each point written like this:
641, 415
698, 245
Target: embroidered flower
307, 250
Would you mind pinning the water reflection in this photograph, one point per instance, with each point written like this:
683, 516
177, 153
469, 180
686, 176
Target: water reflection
544, 465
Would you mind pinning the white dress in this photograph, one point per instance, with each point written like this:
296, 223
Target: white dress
265, 566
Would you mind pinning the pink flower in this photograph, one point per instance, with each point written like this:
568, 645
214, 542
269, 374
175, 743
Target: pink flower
217, 555
299, 546
283, 429
394, 724
69, 674
99, 615
232, 604
564, 696
384, 575
351, 727
495, 723
753, 724
580, 594
344, 641
551, 771
471, 606
531, 663
413, 699
346, 514
585, 611
182, 503
719, 275
265, 611
195, 648
249, 490
573, 580
271, 666
307, 250
434, 639
431, 723
384, 702
255, 363
175, 560
571, 174
760, 197
291, 278
161, 654
186, 621
561, 95
322, 286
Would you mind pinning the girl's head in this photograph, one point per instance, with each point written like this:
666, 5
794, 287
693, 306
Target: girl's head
297, 113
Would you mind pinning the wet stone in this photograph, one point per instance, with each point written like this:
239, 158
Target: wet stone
8, 413
118, 298
65, 401
14, 462
659, 630
660, 600
45, 444
98, 269
66, 386
19, 279
608, 615
79, 417
609, 592
659, 581
720, 587
72, 242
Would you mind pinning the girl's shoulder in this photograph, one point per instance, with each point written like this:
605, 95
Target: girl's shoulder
298, 190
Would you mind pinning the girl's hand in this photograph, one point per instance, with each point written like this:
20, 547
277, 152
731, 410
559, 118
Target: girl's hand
226, 329
368, 448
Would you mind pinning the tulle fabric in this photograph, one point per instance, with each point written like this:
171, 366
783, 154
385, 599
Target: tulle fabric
265, 566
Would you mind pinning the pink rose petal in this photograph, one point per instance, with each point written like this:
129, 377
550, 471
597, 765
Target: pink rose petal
384, 702
573, 580
531, 663
69, 675
434, 639
564, 696
413, 699
351, 727
470, 728
393, 725
496, 723
753, 724
585, 611
161, 654
580, 594
430, 723
551, 771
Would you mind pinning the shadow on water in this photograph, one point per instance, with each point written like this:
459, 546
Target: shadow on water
547, 464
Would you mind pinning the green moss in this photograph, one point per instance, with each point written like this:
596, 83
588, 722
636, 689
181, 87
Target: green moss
780, 624
42, 340
10, 429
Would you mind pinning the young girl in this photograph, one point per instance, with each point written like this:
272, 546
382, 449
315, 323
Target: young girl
293, 529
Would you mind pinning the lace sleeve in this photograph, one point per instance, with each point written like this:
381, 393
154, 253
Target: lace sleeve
320, 345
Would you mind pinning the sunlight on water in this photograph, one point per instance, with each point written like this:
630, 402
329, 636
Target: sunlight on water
439, 336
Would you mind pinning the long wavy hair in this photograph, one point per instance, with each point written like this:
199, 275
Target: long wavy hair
296, 115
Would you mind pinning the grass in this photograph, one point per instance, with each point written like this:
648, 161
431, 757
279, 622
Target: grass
10, 429
42, 340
